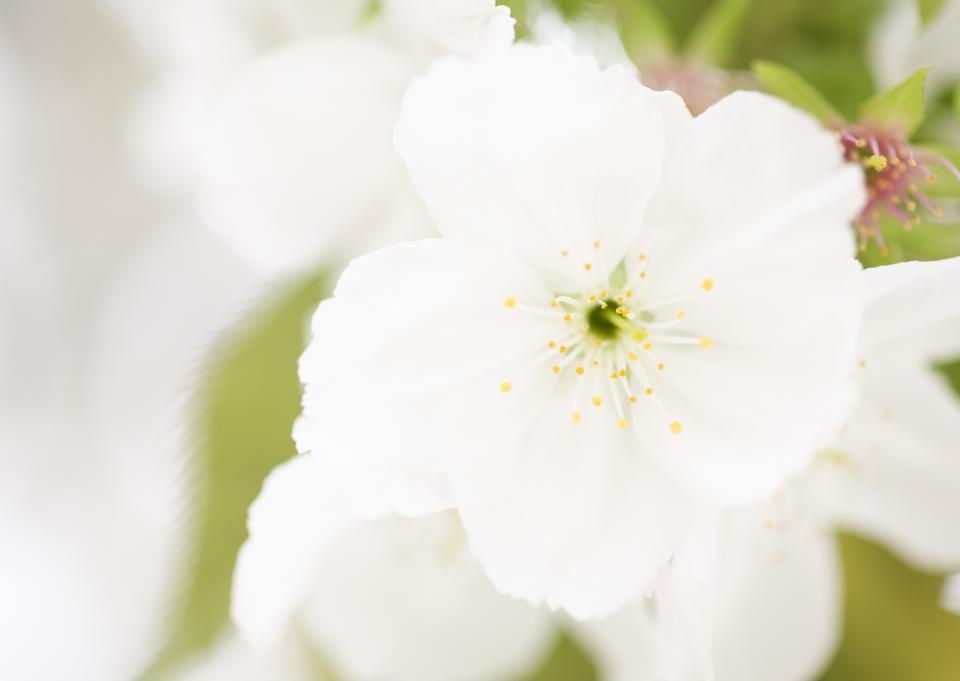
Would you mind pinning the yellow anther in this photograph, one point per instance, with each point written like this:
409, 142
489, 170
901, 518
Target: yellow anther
706, 342
622, 372
506, 387
878, 162
603, 294
912, 162
938, 211
643, 274
553, 303
622, 311
661, 366
707, 284
632, 398
643, 256
676, 427
911, 206
576, 416
510, 302
681, 314
633, 356
596, 244
552, 344
555, 369
597, 401
603, 305
622, 423
648, 346
648, 391
861, 143
593, 298
580, 371
587, 266
596, 362
567, 317
863, 364
630, 294
564, 252
619, 300
613, 375
562, 349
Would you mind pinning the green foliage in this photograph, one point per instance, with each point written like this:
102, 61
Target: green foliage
926, 241
893, 629
566, 662
716, 38
644, 30
956, 102
929, 9
945, 184
900, 107
244, 408
790, 86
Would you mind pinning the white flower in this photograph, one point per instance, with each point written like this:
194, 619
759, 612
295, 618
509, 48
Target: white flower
899, 46
391, 598
286, 143
951, 594
774, 576
627, 302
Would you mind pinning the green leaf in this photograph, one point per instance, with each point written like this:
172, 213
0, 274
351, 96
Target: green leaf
900, 107
716, 38
893, 628
945, 184
929, 9
244, 408
566, 662
644, 31
788, 85
956, 102
926, 241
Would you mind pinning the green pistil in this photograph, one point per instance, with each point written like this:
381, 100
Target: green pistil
605, 323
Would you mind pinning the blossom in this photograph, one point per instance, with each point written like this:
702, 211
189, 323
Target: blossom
621, 313
772, 602
395, 598
286, 146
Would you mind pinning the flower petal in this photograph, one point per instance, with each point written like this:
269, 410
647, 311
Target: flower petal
293, 523
403, 599
418, 363
298, 163
537, 150
577, 518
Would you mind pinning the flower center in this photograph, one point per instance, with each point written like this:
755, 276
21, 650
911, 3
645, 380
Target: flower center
895, 173
609, 341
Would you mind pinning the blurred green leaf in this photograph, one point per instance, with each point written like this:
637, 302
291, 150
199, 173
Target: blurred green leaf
644, 31
566, 662
245, 405
956, 102
929, 9
946, 183
925, 241
893, 628
900, 107
790, 86
716, 37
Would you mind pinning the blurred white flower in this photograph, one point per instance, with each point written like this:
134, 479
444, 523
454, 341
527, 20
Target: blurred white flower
392, 598
950, 599
771, 577
286, 142
622, 308
899, 46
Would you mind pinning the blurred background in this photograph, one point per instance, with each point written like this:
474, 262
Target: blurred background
149, 360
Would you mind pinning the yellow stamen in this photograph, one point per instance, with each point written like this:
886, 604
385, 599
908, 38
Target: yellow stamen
676, 427
506, 387
576, 417
597, 401
510, 302
707, 284
706, 342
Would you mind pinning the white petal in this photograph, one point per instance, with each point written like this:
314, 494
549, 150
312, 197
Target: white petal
298, 516
404, 600
577, 518
232, 660
749, 234
417, 363
950, 599
374, 491
894, 473
537, 150
779, 594
908, 314
298, 164
436, 27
